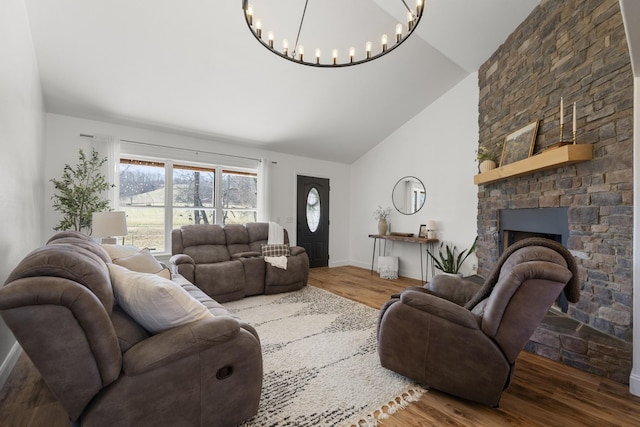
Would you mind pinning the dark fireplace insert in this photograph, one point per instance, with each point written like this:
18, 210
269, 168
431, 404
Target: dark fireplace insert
518, 224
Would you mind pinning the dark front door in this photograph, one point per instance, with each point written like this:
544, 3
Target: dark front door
313, 219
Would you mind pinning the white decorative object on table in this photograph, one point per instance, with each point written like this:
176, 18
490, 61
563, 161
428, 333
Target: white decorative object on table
381, 215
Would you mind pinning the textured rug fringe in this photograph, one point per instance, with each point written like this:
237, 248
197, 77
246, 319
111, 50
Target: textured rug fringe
397, 404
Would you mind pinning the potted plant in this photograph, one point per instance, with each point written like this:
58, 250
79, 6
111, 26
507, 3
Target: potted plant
381, 215
486, 159
78, 192
448, 260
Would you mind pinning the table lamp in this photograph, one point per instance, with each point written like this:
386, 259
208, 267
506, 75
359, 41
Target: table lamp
109, 225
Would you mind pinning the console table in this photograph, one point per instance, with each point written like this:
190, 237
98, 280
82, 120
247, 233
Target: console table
431, 243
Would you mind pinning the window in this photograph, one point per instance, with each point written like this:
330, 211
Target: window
161, 196
239, 197
193, 195
142, 197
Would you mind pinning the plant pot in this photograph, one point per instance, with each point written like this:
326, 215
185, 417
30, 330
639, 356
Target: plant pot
382, 226
487, 165
451, 274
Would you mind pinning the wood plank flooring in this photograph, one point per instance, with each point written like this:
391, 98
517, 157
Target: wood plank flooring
543, 392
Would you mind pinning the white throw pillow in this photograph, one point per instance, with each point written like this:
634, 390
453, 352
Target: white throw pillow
153, 301
141, 261
120, 251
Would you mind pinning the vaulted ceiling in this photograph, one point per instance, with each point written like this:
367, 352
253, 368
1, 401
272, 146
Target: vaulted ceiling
193, 67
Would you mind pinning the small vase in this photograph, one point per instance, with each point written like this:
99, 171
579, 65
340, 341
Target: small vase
487, 165
382, 226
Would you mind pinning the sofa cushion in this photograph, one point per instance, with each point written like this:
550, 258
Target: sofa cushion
276, 250
83, 243
128, 331
153, 301
68, 261
237, 238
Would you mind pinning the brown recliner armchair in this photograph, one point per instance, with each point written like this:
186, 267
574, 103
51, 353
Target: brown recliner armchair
462, 338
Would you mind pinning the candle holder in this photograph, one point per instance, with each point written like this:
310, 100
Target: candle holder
563, 141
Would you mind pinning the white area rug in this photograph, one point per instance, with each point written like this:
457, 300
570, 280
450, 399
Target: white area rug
321, 367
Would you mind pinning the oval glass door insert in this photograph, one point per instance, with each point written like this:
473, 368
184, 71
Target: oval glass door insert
313, 209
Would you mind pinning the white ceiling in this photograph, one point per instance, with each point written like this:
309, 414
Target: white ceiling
193, 67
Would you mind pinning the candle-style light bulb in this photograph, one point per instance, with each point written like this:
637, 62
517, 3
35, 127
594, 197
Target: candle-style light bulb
258, 28
367, 49
398, 33
383, 41
561, 111
352, 53
270, 38
250, 14
334, 55
301, 52
409, 21
317, 56
285, 47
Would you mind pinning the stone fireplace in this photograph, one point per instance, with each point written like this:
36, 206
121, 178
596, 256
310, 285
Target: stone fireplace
576, 50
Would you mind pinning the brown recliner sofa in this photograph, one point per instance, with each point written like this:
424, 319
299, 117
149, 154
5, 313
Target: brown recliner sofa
455, 336
226, 262
105, 368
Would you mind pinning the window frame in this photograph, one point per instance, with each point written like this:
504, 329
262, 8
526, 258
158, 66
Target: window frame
169, 207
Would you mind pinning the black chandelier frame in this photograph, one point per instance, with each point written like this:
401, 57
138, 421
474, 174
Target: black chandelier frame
294, 57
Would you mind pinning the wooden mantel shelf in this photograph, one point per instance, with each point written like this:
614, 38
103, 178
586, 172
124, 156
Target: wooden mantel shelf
553, 158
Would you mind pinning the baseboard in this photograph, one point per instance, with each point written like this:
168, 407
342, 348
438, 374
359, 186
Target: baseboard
9, 362
634, 384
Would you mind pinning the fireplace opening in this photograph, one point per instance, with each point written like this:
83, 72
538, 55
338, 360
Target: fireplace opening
519, 224
509, 237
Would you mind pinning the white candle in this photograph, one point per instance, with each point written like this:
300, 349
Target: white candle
574, 117
561, 111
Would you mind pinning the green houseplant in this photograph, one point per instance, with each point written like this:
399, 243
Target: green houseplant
78, 194
486, 159
448, 259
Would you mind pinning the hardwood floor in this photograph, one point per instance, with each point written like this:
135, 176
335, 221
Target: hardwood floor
543, 392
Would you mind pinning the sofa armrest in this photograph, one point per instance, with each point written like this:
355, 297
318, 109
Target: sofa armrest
297, 250
176, 343
178, 259
441, 308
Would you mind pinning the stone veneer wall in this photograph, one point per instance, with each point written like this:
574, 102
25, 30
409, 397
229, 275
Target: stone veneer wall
574, 49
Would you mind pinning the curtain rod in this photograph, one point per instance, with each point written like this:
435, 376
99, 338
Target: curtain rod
86, 135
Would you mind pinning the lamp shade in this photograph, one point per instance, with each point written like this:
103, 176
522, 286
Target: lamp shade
431, 225
109, 224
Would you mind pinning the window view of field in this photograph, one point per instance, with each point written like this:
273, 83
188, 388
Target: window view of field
144, 192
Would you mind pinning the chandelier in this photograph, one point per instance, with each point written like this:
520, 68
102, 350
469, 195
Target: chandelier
297, 53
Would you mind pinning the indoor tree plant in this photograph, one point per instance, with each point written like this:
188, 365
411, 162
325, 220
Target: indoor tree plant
78, 194
448, 260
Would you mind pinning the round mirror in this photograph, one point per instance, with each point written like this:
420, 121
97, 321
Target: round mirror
408, 195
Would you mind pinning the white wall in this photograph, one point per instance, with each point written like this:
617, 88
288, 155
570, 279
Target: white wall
64, 140
21, 160
437, 146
